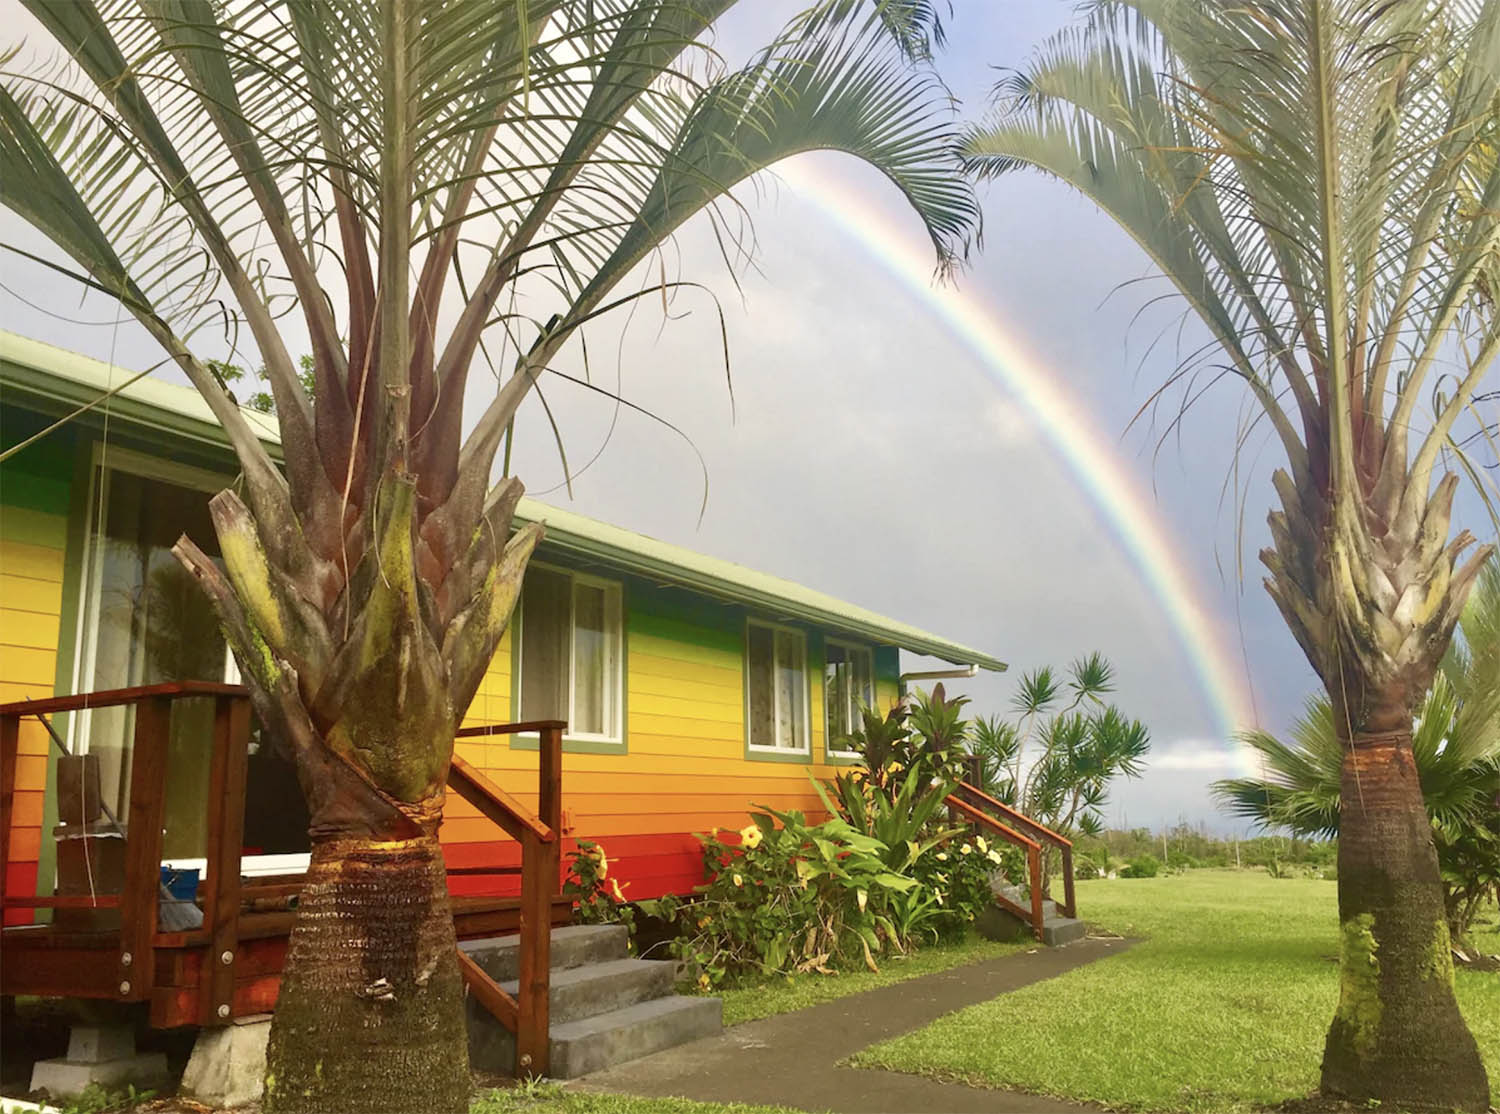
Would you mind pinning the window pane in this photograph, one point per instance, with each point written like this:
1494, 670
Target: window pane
836, 697
791, 692
593, 668
545, 603
151, 623
761, 698
861, 684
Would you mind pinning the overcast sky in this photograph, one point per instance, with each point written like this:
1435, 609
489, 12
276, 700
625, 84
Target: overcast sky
871, 454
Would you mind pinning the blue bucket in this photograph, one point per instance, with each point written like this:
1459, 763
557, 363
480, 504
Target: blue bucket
181, 884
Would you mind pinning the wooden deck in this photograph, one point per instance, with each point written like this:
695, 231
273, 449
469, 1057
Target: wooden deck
41, 960
231, 966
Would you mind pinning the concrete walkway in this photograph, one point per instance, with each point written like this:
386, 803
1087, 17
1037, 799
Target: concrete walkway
793, 1059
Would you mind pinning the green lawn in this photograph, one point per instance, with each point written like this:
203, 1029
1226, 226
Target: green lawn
1223, 1007
552, 1099
782, 995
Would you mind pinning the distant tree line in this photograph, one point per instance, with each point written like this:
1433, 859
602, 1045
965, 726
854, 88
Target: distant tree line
1186, 846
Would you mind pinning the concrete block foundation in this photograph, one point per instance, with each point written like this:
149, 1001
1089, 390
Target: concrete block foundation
228, 1064
102, 1054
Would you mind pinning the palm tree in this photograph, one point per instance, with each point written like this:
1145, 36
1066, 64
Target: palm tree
1456, 745
1318, 180
411, 189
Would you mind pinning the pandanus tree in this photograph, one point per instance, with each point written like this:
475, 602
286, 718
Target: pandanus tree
403, 190
1318, 180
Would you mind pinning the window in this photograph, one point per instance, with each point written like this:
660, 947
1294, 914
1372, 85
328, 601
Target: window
848, 687
776, 689
144, 621
570, 653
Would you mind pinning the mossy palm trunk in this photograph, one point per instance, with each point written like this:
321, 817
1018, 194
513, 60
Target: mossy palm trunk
1398, 1036
372, 955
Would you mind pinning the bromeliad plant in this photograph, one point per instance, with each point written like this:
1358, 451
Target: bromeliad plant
901, 816
433, 199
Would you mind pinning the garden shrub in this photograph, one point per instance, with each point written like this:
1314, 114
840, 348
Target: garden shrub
958, 874
1144, 867
789, 897
597, 898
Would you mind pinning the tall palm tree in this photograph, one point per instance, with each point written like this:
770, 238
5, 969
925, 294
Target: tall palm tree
1456, 747
1318, 180
412, 189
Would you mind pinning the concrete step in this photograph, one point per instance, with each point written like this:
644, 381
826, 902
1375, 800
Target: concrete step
579, 1047
1057, 931
572, 946
588, 991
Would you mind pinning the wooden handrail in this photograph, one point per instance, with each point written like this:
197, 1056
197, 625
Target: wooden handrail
1069, 905
527, 1015
528, 727
1033, 849
495, 803
490, 994
1045, 833
108, 698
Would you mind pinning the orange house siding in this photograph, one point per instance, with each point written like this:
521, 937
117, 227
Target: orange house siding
684, 767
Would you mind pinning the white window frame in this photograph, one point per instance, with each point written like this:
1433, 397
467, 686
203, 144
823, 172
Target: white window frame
103, 460
615, 630
854, 647
806, 749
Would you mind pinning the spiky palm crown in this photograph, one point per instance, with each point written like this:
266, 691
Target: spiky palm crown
1456, 744
1318, 179
392, 179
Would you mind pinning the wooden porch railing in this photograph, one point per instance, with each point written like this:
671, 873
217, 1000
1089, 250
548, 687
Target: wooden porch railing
134, 960
1003, 821
527, 1014
133, 963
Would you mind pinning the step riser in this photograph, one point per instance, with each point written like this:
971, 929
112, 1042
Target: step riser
573, 946
1065, 931
492, 1048
680, 1021
573, 999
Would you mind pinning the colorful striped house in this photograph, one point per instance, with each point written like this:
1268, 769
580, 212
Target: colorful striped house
693, 687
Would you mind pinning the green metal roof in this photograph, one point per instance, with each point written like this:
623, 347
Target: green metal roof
67, 378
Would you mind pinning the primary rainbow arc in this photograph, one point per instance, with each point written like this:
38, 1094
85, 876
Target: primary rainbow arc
1070, 429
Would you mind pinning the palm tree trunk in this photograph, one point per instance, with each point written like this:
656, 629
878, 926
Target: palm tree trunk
1398, 1036
372, 955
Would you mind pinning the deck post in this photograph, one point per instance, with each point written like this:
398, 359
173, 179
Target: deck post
549, 798
1070, 907
1034, 868
10, 742
148, 791
226, 829
533, 1029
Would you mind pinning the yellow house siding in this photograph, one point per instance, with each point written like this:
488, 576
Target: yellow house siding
683, 768
34, 496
